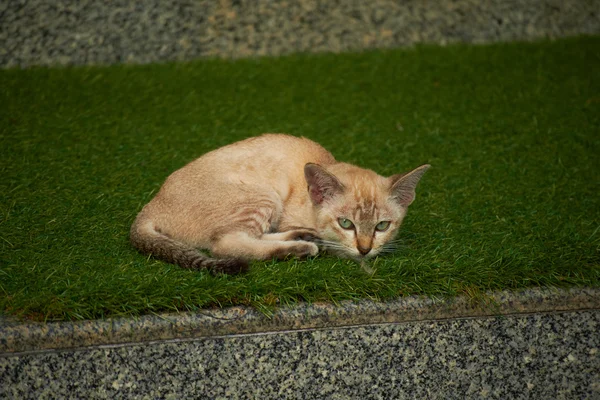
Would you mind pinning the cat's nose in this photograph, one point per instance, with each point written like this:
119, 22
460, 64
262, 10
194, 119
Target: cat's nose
363, 250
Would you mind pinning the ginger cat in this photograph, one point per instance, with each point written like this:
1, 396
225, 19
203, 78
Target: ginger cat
271, 196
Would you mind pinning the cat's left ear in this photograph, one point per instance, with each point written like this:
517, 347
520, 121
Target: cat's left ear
403, 185
322, 185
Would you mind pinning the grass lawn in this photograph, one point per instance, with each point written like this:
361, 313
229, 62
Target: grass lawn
512, 200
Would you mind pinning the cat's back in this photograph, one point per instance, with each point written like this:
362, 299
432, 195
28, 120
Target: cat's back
271, 159
273, 146
264, 155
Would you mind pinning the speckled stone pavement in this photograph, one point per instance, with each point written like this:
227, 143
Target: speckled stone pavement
535, 344
76, 32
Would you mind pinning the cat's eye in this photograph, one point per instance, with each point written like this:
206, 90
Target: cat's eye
382, 226
345, 223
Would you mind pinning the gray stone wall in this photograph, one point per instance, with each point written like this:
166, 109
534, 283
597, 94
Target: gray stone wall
46, 32
67, 32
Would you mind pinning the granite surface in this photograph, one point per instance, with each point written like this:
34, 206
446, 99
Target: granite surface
537, 356
21, 336
76, 32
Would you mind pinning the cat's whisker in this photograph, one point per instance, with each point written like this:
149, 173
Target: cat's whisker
334, 247
387, 251
394, 241
329, 243
397, 245
391, 249
330, 247
390, 244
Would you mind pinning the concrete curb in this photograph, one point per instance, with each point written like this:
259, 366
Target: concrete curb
18, 336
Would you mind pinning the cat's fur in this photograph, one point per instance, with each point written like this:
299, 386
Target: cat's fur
267, 197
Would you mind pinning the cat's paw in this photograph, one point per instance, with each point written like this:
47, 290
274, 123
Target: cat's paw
306, 249
298, 249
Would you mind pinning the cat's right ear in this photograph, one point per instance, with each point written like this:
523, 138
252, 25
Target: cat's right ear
403, 185
322, 185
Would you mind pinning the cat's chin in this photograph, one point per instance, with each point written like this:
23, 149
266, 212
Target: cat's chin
364, 262
335, 248
358, 258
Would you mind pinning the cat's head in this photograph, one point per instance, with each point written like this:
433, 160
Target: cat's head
359, 212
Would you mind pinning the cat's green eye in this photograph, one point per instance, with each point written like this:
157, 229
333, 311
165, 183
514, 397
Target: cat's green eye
382, 226
345, 223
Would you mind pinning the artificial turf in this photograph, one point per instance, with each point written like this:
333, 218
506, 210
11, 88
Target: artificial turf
512, 132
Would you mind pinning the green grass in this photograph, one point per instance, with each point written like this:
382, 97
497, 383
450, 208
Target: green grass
512, 200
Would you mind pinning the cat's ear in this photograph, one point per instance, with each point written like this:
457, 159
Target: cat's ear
403, 185
322, 185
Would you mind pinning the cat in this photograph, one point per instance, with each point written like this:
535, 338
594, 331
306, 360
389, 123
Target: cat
271, 196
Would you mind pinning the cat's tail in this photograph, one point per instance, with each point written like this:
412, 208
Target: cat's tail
147, 239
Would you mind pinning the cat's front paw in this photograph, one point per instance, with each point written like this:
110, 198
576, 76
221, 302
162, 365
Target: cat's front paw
299, 249
306, 249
